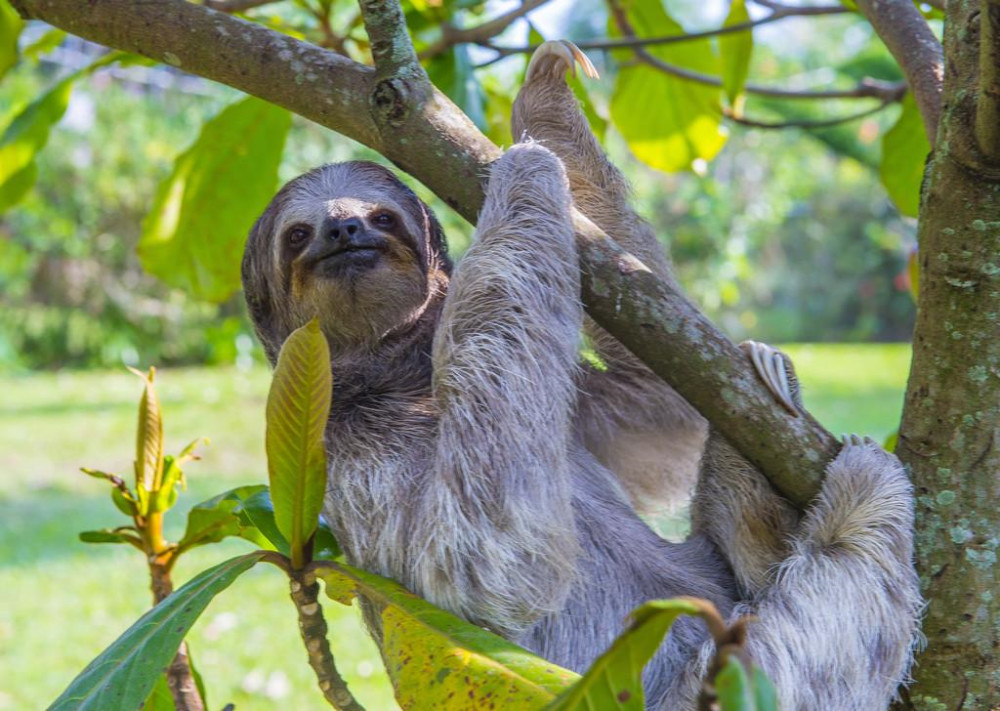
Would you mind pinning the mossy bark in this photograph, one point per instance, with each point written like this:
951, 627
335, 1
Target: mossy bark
950, 434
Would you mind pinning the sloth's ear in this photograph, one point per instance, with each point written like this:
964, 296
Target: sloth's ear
256, 271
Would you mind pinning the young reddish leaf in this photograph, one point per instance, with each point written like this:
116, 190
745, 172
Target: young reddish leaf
298, 405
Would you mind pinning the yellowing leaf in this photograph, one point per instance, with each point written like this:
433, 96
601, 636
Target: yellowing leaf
904, 154
193, 236
437, 660
735, 50
668, 122
298, 406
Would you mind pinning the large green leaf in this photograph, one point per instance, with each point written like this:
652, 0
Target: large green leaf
124, 674
298, 405
193, 236
614, 680
668, 122
438, 661
735, 50
742, 689
11, 25
904, 153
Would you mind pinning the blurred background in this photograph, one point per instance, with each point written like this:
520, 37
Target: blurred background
786, 236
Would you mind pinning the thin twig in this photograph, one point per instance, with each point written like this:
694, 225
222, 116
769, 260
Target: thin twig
312, 626
628, 42
480, 34
866, 88
180, 678
806, 124
988, 102
909, 39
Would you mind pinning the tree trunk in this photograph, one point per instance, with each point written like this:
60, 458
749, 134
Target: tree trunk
951, 421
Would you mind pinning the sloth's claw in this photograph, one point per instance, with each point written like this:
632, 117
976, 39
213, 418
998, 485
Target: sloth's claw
556, 57
775, 369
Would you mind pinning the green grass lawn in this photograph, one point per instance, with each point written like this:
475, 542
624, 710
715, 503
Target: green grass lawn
62, 601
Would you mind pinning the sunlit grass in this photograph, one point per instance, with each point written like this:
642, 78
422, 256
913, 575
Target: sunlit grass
63, 601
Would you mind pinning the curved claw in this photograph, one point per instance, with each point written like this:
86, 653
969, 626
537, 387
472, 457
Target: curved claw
775, 370
558, 57
858, 440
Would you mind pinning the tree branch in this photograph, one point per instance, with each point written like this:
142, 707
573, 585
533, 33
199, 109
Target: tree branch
988, 103
230, 6
806, 124
866, 88
905, 33
627, 42
434, 141
312, 626
480, 34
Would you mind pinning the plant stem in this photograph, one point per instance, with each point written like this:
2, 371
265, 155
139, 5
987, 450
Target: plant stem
180, 678
312, 625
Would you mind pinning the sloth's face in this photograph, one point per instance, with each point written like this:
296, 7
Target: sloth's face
354, 246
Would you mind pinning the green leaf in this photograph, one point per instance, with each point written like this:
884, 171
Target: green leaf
614, 680
257, 511
148, 461
891, 441
765, 695
434, 658
160, 699
193, 236
45, 44
668, 122
173, 477
904, 154
11, 25
219, 517
298, 405
24, 137
109, 535
124, 674
453, 73
735, 50
125, 502
733, 687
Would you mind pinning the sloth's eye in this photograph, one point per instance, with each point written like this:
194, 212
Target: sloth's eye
384, 220
297, 236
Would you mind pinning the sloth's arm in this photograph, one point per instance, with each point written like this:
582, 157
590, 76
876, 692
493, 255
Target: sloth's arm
834, 595
503, 542
637, 425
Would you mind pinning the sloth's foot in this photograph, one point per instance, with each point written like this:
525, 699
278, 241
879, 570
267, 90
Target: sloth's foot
554, 58
776, 370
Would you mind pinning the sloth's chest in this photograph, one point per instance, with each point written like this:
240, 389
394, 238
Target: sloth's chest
374, 478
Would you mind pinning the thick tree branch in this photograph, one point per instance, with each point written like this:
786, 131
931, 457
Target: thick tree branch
988, 103
434, 141
236, 5
918, 52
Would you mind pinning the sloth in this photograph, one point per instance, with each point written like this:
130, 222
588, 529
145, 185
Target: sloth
473, 458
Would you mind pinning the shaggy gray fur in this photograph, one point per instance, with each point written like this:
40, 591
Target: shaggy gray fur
472, 458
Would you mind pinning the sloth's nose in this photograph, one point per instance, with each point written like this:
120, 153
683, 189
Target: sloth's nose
342, 230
